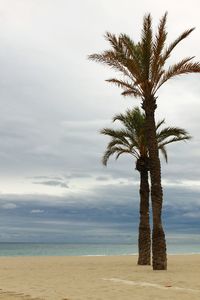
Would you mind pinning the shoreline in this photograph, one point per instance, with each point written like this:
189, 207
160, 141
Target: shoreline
95, 255
97, 278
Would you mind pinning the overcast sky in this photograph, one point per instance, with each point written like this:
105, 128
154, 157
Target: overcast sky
53, 102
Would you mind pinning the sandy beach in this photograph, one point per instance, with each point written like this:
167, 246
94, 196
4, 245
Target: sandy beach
98, 278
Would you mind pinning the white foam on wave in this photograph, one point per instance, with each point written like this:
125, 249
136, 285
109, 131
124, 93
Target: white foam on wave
124, 254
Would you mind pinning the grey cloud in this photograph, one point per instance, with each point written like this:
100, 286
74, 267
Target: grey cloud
102, 178
46, 177
53, 183
79, 174
8, 206
37, 211
112, 213
192, 214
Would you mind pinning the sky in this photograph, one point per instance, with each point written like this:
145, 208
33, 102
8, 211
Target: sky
53, 103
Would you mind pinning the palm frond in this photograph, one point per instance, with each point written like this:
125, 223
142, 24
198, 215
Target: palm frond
124, 50
122, 151
164, 153
113, 40
171, 131
160, 123
106, 156
146, 46
125, 85
172, 134
158, 46
183, 67
129, 92
116, 134
125, 121
131, 138
168, 51
133, 54
129, 46
111, 59
121, 118
130, 147
133, 120
175, 139
128, 139
117, 142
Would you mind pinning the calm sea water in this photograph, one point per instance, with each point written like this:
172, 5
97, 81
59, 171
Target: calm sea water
36, 249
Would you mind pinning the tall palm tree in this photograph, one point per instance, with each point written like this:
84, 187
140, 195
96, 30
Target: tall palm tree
130, 139
143, 69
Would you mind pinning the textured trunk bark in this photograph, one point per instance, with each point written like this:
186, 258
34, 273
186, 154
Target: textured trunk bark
158, 236
144, 238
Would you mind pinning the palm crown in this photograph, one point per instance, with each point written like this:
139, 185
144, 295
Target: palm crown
131, 138
142, 64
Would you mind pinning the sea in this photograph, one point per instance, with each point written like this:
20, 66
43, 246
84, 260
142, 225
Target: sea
64, 249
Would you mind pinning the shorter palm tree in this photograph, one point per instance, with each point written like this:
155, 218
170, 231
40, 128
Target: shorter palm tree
131, 139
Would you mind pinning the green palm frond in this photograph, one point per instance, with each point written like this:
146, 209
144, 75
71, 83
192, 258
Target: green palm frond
117, 142
129, 147
118, 151
175, 139
160, 123
131, 138
121, 118
164, 153
170, 135
107, 155
171, 131
127, 139
133, 120
122, 151
116, 134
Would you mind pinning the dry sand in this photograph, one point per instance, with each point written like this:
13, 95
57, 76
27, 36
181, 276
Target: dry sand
98, 278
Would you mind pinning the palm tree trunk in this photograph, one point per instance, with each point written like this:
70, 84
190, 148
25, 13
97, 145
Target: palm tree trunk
144, 239
158, 236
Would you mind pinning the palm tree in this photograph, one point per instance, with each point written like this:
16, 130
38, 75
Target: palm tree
143, 69
131, 140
